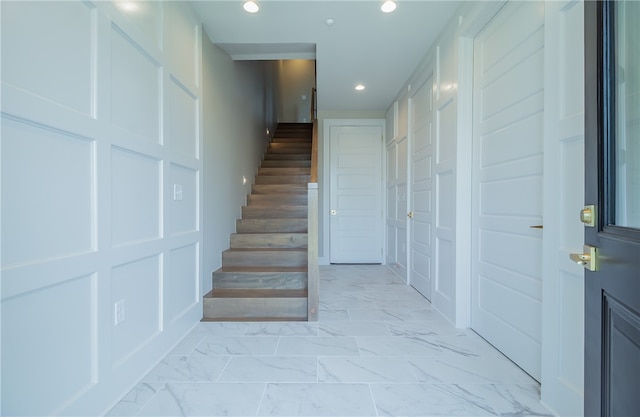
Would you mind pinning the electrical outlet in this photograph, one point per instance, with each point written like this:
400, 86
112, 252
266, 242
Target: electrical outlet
177, 192
119, 312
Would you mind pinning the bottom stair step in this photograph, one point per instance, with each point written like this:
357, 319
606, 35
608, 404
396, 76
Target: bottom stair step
244, 293
260, 278
249, 305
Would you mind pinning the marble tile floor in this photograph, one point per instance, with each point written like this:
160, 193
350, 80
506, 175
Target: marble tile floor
377, 350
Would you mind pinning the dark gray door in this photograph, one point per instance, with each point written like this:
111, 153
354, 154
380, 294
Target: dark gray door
612, 166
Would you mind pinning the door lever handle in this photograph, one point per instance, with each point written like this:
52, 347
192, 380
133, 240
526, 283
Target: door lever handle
580, 258
588, 259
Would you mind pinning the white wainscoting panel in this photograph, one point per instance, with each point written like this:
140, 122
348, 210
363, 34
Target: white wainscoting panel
182, 119
137, 284
184, 268
143, 18
36, 66
135, 197
48, 191
58, 365
89, 94
185, 202
135, 88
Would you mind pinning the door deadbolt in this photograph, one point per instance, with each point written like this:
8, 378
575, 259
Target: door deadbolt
334, 212
588, 215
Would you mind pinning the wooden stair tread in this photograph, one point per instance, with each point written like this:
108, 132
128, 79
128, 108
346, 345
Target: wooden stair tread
256, 293
265, 269
253, 319
267, 250
274, 163
264, 273
283, 207
270, 233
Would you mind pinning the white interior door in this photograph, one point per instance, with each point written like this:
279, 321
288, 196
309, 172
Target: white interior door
356, 194
397, 174
563, 296
507, 182
421, 218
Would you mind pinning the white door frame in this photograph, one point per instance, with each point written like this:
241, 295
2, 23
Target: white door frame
563, 196
325, 176
477, 17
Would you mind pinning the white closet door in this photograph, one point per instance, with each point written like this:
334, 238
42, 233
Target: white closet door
507, 182
421, 217
356, 194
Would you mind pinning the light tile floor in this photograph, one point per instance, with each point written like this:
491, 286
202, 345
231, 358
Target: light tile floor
378, 350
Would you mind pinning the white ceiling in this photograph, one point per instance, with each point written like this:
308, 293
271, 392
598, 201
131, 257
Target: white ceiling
364, 45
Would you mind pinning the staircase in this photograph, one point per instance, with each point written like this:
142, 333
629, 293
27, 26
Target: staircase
264, 272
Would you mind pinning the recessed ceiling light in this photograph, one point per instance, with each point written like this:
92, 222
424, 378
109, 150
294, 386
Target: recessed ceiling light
127, 6
251, 6
388, 6
360, 87
329, 22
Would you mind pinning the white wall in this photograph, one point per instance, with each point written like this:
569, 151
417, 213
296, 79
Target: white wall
297, 77
99, 124
238, 108
101, 116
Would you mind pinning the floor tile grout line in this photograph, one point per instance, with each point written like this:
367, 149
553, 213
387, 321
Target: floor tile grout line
275, 352
224, 368
373, 400
264, 393
162, 385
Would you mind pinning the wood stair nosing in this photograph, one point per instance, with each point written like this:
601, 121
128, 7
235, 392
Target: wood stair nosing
265, 257
302, 145
302, 135
284, 171
271, 225
291, 125
257, 293
260, 278
289, 147
293, 132
268, 240
274, 212
269, 306
291, 139
277, 199
271, 156
282, 179
277, 163
279, 189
